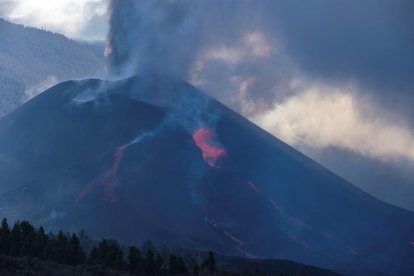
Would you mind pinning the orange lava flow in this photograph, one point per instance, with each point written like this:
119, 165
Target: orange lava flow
212, 153
109, 180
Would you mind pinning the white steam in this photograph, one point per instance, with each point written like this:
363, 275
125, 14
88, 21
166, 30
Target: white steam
38, 88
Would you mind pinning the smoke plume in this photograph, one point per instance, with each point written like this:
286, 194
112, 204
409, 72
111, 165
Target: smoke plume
236, 52
261, 58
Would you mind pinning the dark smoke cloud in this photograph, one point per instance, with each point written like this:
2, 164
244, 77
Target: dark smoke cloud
165, 36
151, 35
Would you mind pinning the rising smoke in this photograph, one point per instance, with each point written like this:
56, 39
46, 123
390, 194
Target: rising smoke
151, 36
237, 52
284, 63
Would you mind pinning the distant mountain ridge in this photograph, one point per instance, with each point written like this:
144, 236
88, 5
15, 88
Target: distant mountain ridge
33, 59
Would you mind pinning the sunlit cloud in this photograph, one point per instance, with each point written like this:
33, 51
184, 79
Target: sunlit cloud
322, 117
70, 17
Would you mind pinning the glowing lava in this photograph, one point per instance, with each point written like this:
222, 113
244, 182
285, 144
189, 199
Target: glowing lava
212, 153
109, 180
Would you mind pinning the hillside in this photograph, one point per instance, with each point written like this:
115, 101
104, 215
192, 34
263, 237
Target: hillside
32, 60
152, 157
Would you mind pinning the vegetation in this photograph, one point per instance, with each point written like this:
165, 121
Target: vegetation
25, 250
31, 60
23, 240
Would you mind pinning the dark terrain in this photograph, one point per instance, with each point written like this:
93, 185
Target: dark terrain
153, 158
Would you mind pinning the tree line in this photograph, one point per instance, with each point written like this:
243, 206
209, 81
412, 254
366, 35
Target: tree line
24, 240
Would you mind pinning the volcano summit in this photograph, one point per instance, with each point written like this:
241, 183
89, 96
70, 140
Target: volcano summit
152, 157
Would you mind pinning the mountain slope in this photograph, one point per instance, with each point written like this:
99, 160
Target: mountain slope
31, 58
152, 157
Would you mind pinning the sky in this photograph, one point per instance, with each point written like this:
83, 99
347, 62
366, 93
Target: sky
334, 79
78, 19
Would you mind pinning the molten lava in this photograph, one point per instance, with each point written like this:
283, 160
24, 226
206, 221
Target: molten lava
109, 180
212, 153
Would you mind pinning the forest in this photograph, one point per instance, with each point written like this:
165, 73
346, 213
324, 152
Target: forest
22, 239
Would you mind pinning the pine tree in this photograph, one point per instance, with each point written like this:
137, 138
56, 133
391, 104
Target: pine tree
150, 263
102, 251
40, 243
62, 248
159, 263
147, 246
110, 254
93, 255
76, 254
209, 263
196, 270
135, 260
182, 268
15, 240
173, 264
114, 258
27, 239
4, 237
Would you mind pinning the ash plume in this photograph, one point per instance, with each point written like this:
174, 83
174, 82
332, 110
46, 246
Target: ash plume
151, 36
264, 59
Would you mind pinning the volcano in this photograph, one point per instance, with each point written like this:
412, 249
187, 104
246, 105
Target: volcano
152, 157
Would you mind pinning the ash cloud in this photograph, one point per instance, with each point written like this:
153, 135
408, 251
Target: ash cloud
151, 36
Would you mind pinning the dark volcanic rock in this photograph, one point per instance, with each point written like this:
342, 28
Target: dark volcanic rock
154, 158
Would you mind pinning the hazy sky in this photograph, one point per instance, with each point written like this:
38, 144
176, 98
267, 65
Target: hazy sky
332, 78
